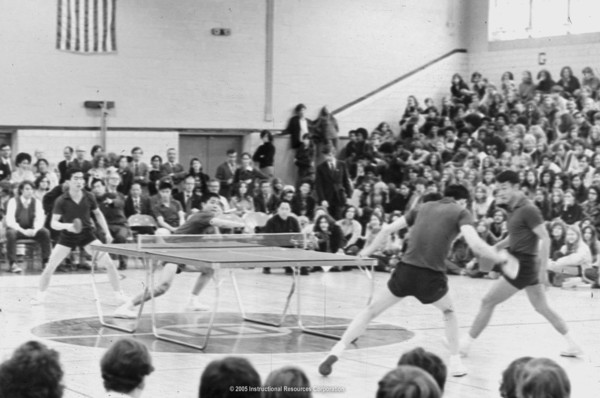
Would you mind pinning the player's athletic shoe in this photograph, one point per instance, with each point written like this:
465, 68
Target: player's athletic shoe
572, 351
326, 366
125, 312
456, 367
195, 305
15, 269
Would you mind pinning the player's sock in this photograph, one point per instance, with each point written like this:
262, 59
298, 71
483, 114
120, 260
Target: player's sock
465, 345
456, 367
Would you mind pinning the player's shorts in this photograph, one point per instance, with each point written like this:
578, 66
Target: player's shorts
529, 269
426, 285
73, 241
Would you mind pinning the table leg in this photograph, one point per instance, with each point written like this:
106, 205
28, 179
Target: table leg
99, 305
259, 321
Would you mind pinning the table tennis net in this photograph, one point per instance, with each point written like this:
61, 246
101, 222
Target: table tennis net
291, 240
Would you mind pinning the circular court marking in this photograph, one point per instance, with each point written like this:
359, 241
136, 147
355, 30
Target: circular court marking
230, 334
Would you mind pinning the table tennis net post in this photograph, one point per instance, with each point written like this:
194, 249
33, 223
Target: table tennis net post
289, 240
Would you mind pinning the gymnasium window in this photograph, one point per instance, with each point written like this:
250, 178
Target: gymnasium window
523, 19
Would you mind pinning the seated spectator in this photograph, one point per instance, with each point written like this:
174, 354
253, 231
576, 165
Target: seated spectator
473, 268
408, 381
43, 169
23, 170
543, 378
124, 367
328, 235
247, 173
187, 198
33, 370
589, 236
352, 231
139, 169
126, 174
154, 174
168, 212
25, 219
137, 202
481, 202
99, 169
296, 381
241, 200
42, 187
200, 178
540, 199
571, 212
511, 376
558, 230
556, 203
427, 361
221, 377
283, 222
573, 258
288, 193
265, 201
214, 186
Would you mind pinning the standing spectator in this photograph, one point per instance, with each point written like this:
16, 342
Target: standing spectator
265, 154
112, 207
248, 173
200, 178
221, 376
173, 170
225, 173
124, 366
140, 170
5, 162
34, 370
154, 174
265, 201
189, 200
64, 165
326, 128
80, 162
137, 202
23, 170
298, 125
283, 222
25, 220
304, 160
168, 212
332, 183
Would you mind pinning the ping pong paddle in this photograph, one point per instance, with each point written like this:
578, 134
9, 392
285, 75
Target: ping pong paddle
77, 225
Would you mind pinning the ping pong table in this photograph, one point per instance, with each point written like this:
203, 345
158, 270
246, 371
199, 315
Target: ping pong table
227, 252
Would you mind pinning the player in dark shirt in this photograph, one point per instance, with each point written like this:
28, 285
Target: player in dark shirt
202, 222
422, 273
526, 229
76, 203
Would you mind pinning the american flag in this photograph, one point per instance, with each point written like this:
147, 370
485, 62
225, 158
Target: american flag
86, 26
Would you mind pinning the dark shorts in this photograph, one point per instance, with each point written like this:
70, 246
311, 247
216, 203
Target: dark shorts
426, 285
529, 268
82, 239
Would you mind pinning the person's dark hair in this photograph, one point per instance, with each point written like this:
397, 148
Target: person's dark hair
37, 164
457, 192
97, 180
299, 107
221, 375
208, 195
34, 370
231, 151
22, 185
68, 148
21, 157
329, 220
95, 149
510, 377
156, 157
124, 365
246, 154
328, 149
165, 185
266, 133
509, 176
71, 171
427, 361
289, 376
284, 201
39, 180
135, 148
543, 378
4, 145
408, 381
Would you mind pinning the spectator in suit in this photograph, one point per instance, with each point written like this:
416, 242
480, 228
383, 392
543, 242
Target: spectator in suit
25, 220
189, 200
137, 202
63, 165
112, 207
298, 125
140, 170
5, 162
80, 161
173, 170
124, 366
126, 175
225, 173
332, 183
265, 201
265, 154
248, 173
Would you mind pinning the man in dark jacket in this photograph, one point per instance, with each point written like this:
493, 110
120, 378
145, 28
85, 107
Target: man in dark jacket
332, 183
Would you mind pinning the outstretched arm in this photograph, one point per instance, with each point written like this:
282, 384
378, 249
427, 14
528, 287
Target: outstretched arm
478, 245
382, 236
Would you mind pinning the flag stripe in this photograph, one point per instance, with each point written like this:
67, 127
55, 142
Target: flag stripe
86, 26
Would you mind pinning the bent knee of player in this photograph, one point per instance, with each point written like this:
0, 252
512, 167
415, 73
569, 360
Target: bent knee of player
208, 272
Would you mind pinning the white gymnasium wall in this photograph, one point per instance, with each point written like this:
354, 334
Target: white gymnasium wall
170, 72
493, 59
389, 104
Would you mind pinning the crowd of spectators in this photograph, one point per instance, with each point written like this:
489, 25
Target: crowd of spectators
34, 370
